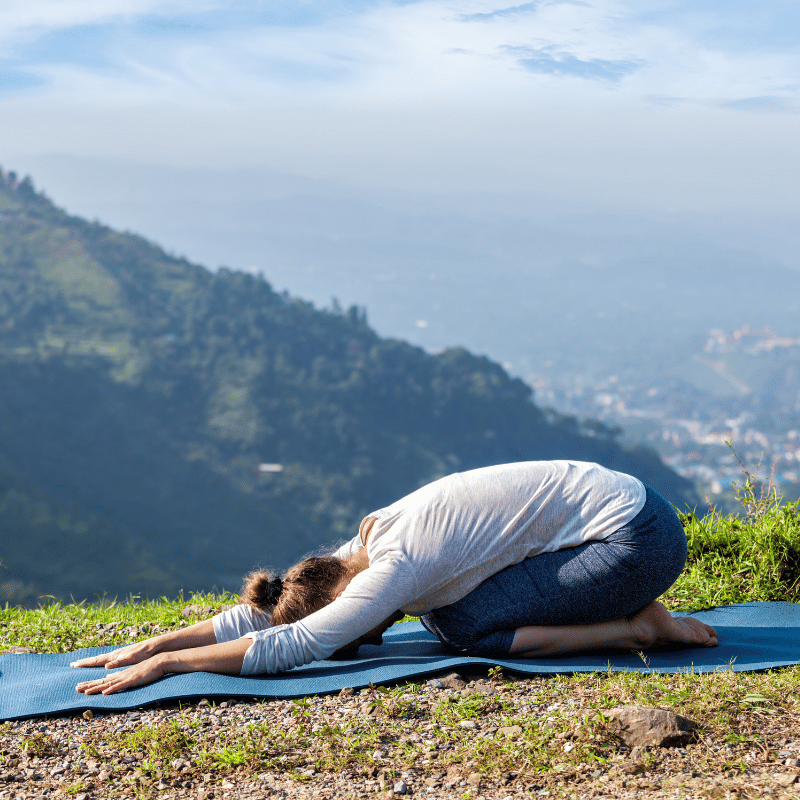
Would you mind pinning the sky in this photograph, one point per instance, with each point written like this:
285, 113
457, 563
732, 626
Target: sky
699, 98
602, 117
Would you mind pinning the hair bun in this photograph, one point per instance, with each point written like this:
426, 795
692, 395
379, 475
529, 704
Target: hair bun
262, 590
272, 591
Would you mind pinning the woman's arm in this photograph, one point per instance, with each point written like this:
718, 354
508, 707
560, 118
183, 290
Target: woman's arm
225, 659
373, 595
197, 635
239, 620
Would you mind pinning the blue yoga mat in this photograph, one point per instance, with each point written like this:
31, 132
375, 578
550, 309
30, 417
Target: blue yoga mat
752, 636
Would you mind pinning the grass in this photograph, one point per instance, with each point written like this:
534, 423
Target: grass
541, 732
741, 558
59, 627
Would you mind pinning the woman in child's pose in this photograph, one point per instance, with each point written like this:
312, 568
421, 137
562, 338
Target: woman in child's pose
531, 559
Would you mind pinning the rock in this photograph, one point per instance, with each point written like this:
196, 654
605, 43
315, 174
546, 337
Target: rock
634, 768
20, 650
400, 788
650, 727
510, 730
453, 681
474, 779
347, 691
785, 778
469, 724
436, 683
189, 611
88, 714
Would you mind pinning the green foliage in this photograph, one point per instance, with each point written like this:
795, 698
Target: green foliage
115, 559
731, 561
735, 559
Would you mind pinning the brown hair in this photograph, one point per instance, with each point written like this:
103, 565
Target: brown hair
306, 588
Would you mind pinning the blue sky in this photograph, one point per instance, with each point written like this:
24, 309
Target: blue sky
129, 40
670, 105
448, 79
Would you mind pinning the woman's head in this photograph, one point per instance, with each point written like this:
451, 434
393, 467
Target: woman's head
306, 588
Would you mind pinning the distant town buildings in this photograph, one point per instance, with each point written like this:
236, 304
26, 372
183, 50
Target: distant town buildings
737, 397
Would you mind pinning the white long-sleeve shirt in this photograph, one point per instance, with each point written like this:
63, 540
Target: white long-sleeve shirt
434, 546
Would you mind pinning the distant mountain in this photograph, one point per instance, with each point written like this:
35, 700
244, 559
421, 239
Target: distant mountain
554, 288
163, 426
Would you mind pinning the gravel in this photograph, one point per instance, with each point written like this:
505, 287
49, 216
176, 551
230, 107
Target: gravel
76, 757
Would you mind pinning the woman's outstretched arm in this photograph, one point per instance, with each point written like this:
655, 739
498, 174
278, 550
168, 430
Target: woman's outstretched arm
225, 659
197, 635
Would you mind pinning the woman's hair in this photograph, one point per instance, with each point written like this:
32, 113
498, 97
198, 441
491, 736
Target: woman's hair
306, 588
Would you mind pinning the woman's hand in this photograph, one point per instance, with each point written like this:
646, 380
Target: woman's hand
224, 659
138, 675
124, 656
201, 634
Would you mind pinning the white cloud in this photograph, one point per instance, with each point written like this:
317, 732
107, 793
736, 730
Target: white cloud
385, 53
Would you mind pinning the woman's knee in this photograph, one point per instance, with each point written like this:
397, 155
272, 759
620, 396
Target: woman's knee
653, 542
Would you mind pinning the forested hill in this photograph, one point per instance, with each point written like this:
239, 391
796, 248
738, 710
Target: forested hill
140, 395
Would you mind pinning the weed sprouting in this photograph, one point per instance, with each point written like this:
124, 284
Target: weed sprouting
76, 788
39, 744
163, 742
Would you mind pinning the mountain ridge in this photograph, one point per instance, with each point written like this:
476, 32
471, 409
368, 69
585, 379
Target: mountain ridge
144, 391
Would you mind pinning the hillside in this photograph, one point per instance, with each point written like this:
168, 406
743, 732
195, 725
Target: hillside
140, 393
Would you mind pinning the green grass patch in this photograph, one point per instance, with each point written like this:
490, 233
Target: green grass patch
165, 742
736, 558
57, 627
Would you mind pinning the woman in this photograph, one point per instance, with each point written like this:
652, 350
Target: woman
530, 559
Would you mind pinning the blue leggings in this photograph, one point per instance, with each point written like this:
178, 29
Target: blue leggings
594, 582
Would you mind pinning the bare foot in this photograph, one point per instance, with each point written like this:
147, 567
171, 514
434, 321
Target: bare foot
654, 626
